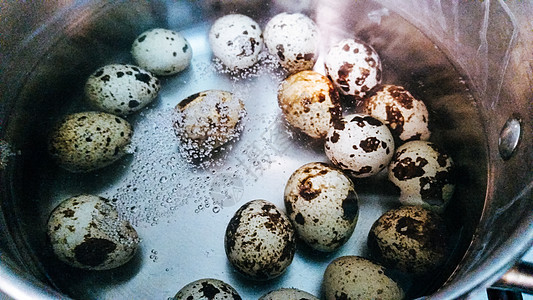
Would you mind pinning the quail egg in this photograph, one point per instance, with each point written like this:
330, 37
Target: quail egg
310, 103
406, 116
322, 204
353, 277
162, 51
411, 239
207, 289
87, 141
360, 144
288, 294
236, 40
424, 175
121, 89
259, 240
354, 67
86, 232
294, 40
206, 121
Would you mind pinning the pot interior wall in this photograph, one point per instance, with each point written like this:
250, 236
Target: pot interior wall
172, 203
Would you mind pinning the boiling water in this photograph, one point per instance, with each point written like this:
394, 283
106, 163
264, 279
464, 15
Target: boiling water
181, 209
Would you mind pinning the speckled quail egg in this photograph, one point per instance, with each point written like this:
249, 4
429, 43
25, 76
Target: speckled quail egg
309, 103
86, 232
360, 144
236, 40
87, 141
411, 239
207, 289
162, 51
259, 240
294, 40
121, 89
207, 120
288, 294
322, 204
353, 277
354, 67
406, 116
424, 174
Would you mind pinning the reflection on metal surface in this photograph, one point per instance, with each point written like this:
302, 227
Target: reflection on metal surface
518, 278
510, 137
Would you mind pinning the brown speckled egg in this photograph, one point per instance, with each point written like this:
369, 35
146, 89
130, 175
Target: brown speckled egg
259, 240
207, 120
294, 40
353, 277
354, 67
322, 205
236, 40
86, 141
360, 144
424, 174
207, 289
309, 103
411, 239
121, 89
288, 294
406, 116
86, 232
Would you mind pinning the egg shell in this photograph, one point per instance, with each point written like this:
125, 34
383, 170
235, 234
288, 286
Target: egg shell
86, 232
354, 67
424, 174
294, 40
360, 144
259, 240
207, 289
353, 277
322, 204
406, 116
162, 51
207, 120
87, 141
288, 294
411, 239
236, 40
309, 103
121, 89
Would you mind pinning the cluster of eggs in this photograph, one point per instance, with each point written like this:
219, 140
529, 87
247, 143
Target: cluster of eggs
320, 199
321, 203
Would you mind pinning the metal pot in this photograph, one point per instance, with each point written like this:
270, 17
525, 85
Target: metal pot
470, 60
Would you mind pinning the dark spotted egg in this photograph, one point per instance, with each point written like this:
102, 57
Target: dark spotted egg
207, 289
309, 103
121, 89
162, 51
293, 39
354, 67
360, 144
406, 116
87, 141
259, 240
206, 121
354, 277
424, 175
236, 40
86, 232
322, 204
411, 239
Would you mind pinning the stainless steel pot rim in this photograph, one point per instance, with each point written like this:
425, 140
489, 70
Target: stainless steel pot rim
18, 285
